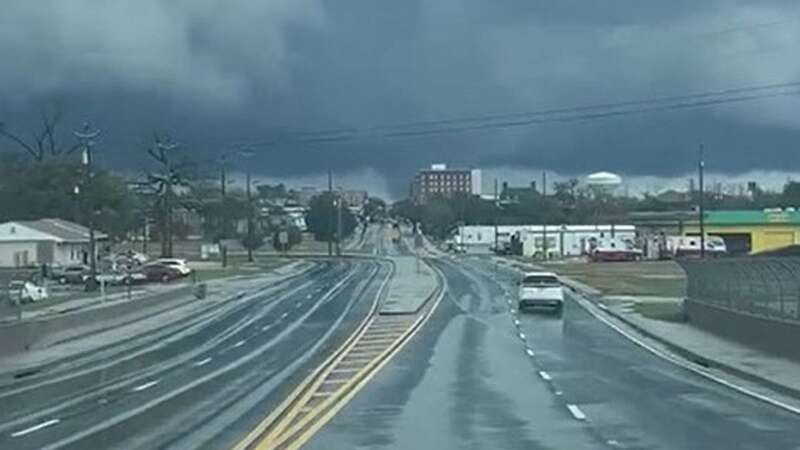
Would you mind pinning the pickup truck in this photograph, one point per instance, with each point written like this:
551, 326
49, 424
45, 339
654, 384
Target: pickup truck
541, 290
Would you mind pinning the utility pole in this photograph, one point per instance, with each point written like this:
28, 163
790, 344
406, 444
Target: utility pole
249, 217
701, 204
339, 201
86, 135
223, 182
496, 203
330, 219
544, 220
166, 246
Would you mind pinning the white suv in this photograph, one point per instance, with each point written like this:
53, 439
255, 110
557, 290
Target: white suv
541, 290
177, 264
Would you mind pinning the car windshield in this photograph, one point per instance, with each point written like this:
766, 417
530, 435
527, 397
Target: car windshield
400, 224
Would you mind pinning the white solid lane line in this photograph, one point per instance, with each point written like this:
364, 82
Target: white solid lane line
576, 412
202, 362
545, 376
529, 352
142, 387
37, 427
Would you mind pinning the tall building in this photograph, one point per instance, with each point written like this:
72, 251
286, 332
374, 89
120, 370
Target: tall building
439, 180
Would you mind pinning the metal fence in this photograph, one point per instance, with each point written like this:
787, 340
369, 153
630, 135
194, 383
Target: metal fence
766, 287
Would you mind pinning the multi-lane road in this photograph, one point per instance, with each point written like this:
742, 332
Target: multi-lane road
200, 383
480, 376
477, 375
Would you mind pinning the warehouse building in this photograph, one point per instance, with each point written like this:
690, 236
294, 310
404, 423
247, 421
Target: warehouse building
751, 231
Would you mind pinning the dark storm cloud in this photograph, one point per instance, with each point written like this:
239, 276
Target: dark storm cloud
217, 73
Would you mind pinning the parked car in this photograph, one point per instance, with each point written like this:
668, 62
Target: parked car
176, 263
541, 290
160, 272
130, 258
26, 292
74, 274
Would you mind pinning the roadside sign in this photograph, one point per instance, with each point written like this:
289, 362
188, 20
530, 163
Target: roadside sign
283, 239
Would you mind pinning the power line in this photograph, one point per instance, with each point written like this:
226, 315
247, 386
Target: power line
557, 115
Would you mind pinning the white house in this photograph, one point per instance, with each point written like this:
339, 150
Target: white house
25, 243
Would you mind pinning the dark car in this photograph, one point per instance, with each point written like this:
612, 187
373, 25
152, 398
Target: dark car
160, 272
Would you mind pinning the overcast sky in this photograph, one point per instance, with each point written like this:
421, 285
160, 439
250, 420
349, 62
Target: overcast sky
218, 73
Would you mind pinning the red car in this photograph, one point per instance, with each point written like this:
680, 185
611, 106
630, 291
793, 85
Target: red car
160, 272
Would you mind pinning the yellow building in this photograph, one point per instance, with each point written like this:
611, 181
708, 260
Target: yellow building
746, 231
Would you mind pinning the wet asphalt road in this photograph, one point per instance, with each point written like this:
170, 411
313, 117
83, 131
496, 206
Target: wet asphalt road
205, 382
467, 381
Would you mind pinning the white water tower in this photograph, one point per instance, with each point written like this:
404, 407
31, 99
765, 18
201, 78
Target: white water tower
603, 182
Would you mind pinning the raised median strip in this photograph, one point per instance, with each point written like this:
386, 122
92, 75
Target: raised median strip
412, 286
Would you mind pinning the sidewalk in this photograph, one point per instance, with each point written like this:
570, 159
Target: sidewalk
413, 283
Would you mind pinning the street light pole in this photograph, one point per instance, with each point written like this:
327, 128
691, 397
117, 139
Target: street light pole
330, 219
249, 218
701, 204
339, 199
86, 135
248, 153
544, 220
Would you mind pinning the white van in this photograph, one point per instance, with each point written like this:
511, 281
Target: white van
541, 290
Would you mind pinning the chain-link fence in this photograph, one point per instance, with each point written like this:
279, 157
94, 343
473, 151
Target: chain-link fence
765, 287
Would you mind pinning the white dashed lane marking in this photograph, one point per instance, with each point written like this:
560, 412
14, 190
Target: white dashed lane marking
142, 387
576, 412
202, 362
545, 376
529, 352
284, 315
239, 344
36, 427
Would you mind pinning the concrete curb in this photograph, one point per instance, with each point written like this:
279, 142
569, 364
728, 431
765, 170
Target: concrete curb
679, 350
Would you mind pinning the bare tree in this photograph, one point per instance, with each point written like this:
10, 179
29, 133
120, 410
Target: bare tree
44, 142
162, 182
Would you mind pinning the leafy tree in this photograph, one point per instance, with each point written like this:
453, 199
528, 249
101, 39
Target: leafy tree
268, 191
322, 217
374, 207
791, 193
31, 191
